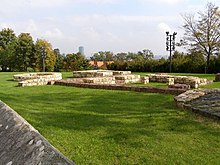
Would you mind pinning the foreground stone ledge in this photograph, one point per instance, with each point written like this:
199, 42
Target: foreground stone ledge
202, 101
69, 82
21, 144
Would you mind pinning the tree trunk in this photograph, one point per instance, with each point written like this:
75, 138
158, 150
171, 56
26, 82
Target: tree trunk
208, 63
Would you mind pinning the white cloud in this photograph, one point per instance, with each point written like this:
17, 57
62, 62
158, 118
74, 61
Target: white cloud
100, 19
4, 25
163, 27
46, 3
171, 2
54, 33
32, 27
103, 1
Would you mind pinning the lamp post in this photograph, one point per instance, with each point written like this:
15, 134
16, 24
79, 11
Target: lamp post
170, 45
44, 54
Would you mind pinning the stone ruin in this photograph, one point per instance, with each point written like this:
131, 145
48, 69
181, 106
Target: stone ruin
124, 77
36, 79
21, 144
105, 77
111, 77
191, 81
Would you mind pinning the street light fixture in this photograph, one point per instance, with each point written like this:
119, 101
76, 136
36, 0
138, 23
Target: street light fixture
170, 45
44, 54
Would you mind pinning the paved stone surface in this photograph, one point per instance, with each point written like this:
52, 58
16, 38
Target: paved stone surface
21, 144
203, 101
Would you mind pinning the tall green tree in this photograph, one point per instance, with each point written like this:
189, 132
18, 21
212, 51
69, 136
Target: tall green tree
59, 60
25, 56
50, 58
8, 42
102, 56
74, 62
202, 32
146, 53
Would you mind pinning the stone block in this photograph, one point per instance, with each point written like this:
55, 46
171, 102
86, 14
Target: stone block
170, 81
217, 77
179, 86
145, 80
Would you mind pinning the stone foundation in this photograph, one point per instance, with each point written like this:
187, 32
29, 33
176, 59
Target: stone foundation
194, 82
106, 77
75, 83
35, 79
179, 86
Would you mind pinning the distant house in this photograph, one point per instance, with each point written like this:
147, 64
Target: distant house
100, 64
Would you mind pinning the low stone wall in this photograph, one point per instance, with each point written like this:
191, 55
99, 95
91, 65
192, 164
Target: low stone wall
21, 144
99, 80
202, 101
74, 83
125, 79
92, 73
106, 77
35, 79
98, 73
194, 82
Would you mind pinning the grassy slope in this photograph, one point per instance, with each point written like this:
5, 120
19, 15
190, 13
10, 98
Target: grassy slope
114, 127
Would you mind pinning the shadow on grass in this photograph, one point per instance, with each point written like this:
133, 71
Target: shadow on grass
131, 125
122, 114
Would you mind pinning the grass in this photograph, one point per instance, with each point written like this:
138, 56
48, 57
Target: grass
104, 127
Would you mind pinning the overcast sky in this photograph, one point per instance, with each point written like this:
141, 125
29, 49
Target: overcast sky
99, 25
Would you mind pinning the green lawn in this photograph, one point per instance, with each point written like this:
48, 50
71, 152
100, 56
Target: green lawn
104, 127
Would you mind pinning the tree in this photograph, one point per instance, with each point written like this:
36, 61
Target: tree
59, 60
120, 57
203, 34
74, 62
146, 53
196, 62
8, 41
102, 56
50, 55
25, 56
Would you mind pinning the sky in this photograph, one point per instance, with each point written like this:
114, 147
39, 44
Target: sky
100, 25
